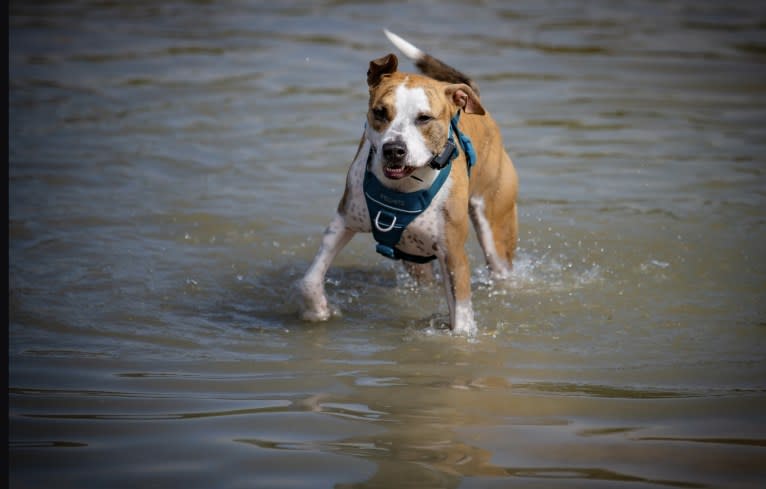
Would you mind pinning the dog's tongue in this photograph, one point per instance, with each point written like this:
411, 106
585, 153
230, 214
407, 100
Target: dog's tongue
397, 172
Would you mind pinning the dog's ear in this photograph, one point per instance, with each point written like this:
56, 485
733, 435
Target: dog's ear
381, 66
464, 98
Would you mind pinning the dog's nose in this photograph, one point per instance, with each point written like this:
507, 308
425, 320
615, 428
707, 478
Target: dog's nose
394, 151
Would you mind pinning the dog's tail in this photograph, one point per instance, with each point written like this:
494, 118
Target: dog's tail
429, 65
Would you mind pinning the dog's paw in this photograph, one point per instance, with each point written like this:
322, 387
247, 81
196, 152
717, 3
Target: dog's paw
467, 329
501, 274
315, 316
464, 323
313, 302
320, 314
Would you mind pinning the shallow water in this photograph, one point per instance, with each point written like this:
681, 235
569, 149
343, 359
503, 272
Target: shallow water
172, 166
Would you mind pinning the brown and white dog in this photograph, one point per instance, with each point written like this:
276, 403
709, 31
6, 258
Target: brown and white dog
408, 124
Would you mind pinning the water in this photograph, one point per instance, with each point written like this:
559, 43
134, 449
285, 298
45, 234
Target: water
172, 166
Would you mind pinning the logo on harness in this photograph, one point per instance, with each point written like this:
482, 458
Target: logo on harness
389, 200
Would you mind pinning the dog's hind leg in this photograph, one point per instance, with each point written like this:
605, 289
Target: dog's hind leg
494, 242
311, 286
511, 234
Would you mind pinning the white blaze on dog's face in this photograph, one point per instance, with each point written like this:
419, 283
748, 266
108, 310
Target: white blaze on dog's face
404, 129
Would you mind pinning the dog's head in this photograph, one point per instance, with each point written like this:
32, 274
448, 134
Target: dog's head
409, 115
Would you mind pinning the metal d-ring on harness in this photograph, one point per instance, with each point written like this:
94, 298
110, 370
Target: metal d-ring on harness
391, 211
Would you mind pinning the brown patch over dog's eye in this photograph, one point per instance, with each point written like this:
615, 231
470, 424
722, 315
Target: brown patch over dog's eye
435, 136
423, 119
380, 114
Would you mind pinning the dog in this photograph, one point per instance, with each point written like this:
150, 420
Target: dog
430, 159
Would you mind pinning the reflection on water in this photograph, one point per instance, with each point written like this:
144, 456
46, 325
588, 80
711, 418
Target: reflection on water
172, 166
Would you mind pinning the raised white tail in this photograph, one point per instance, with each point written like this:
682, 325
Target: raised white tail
407, 48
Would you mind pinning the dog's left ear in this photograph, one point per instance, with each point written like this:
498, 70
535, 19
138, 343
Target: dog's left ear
381, 66
465, 98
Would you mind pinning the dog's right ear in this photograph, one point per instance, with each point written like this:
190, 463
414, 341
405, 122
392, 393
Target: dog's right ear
380, 67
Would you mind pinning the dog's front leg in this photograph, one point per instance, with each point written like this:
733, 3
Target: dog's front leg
457, 281
311, 287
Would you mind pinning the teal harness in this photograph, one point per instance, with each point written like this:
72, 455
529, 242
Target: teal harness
392, 211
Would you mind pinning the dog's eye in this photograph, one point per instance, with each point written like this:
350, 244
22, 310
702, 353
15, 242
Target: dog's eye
380, 114
423, 119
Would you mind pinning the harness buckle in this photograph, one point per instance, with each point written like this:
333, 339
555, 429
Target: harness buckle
385, 228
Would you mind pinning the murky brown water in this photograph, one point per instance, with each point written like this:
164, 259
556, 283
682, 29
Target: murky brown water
173, 164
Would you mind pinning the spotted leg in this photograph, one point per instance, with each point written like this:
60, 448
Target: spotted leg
311, 287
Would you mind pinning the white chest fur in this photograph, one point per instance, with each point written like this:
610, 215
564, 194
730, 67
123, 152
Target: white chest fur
424, 235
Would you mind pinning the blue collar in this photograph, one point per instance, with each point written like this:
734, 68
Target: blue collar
392, 211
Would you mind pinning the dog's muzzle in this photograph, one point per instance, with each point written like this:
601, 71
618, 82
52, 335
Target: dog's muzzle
394, 152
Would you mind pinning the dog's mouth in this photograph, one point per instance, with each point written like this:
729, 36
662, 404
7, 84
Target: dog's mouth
397, 171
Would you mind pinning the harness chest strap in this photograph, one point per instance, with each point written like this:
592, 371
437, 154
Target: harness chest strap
391, 211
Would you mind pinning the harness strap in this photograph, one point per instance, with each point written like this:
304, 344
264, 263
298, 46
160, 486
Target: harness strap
397, 254
465, 142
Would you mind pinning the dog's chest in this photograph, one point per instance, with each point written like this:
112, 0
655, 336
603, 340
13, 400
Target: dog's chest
422, 237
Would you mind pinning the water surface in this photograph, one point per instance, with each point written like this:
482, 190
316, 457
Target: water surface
172, 166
